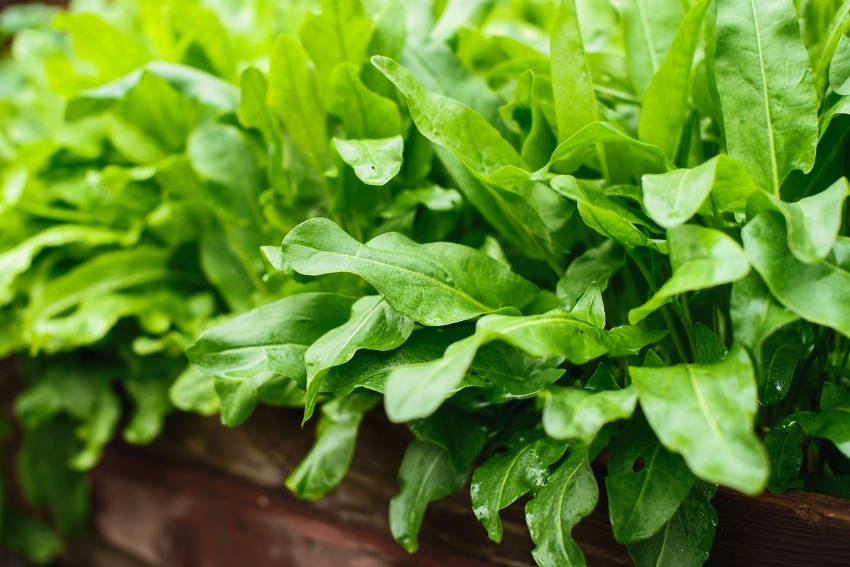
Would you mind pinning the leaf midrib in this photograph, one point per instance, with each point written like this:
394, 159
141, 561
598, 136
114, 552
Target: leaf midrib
771, 142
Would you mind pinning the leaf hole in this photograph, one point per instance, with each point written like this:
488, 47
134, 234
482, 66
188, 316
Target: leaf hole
638, 465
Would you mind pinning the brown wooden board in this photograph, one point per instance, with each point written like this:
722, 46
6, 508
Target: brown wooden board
205, 496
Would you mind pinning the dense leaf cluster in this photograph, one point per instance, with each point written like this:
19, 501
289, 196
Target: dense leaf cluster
533, 231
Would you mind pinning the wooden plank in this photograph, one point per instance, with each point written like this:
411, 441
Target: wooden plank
162, 505
166, 507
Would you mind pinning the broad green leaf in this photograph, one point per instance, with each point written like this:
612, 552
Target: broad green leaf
150, 396
459, 13
577, 414
645, 484
45, 477
649, 28
17, 260
716, 186
81, 305
29, 537
812, 223
839, 67
373, 325
425, 475
451, 124
572, 83
265, 346
705, 412
440, 71
708, 348
570, 494
508, 212
766, 89
595, 266
686, 539
507, 476
435, 284
590, 307
778, 361
364, 114
375, 162
701, 258
194, 391
784, 444
602, 213
369, 369
418, 390
665, 109
755, 314
293, 95
340, 33
581, 147
442, 429
833, 421
819, 293
255, 113
191, 82
329, 458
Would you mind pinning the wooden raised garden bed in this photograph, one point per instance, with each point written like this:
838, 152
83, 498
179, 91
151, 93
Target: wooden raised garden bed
204, 495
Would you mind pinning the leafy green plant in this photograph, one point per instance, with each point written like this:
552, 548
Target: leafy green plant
536, 232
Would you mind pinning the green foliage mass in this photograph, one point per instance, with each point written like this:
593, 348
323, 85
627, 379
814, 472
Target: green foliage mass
532, 231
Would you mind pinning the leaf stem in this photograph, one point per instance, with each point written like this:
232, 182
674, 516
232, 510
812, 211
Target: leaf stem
665, 311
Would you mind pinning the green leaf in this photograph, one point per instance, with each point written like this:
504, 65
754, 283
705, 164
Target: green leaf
451, 124
578, 414
340, 33
417, 390
595, 266
839, 67
672, 198
507, 476
30, 537
81, 305
705, 412
701, 258
833, 421
819, 293
264, 347
425, 475
602, 213
17, 260
665, 110
572, 82
375, 162
46, 479
687, 538
645, 484
373, 325
293, 95
766, 89
369, 369
329, 458
812, 223
442, 429
150, 395
435, 284
364, 114
649, 28
194, 391
755, 314
191, 82
570, 494
581, 147
784, 443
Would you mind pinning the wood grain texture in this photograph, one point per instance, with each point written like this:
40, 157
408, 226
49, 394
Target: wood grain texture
208, 496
